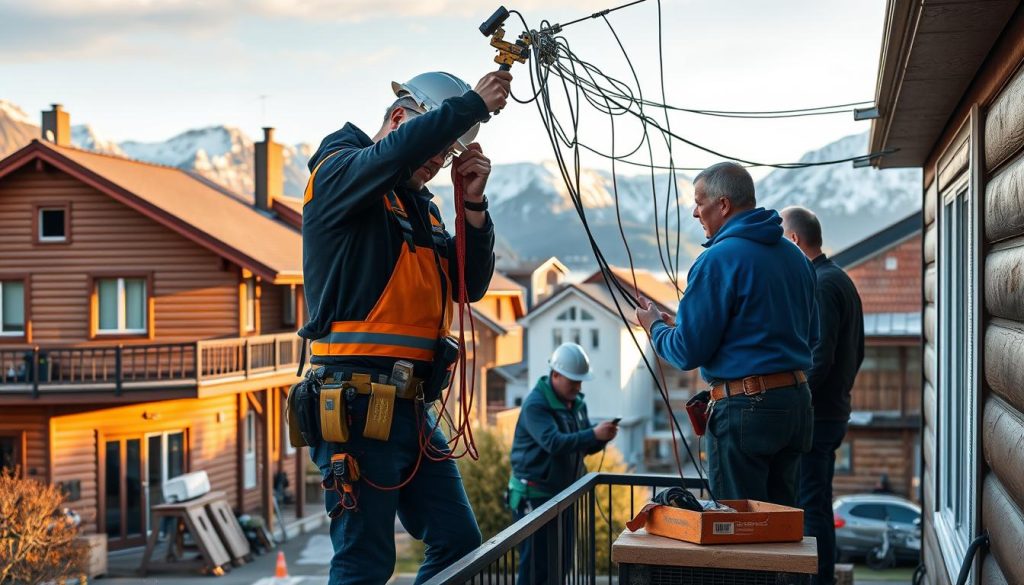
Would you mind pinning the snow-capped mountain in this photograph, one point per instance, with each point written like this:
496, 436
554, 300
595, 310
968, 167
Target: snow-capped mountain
16, 128
84, 136
532, 208
220, 153
851, 202
223, 154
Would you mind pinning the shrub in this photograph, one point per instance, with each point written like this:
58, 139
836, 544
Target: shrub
37, 542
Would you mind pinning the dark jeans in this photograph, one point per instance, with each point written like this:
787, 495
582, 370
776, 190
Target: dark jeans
534, 553
433, 507
755, 443
817, 469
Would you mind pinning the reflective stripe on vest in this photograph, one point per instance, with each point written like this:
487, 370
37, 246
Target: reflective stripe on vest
409, 316
377, 339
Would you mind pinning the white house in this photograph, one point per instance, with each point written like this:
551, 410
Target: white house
586, 314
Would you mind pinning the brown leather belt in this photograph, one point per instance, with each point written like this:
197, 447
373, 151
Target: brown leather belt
754, 385
362, 385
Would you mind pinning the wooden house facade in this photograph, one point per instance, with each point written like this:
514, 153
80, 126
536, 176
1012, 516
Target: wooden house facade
148, 330
950, 96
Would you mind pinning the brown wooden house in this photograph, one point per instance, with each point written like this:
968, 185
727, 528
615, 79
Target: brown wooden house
950, 95
148, 329
883, 435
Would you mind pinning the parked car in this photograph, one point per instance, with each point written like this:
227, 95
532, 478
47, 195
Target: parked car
864, 520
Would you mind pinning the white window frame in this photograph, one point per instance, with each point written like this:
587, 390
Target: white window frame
955, 513
23, 324
50, 239
249, 458
249, 310
122, 307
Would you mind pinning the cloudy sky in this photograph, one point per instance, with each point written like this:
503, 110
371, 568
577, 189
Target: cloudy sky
149, 69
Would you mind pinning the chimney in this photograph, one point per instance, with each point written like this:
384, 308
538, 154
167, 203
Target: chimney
269, 171
57, 126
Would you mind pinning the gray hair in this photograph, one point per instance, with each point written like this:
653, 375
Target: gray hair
804, 223
729, 180
407, 102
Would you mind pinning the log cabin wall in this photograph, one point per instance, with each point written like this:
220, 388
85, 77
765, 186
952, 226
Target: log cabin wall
1002, 399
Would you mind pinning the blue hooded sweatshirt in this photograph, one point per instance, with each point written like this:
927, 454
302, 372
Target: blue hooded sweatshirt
749, 307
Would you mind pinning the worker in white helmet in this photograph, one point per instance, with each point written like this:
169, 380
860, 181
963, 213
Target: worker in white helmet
552, 437
380, 276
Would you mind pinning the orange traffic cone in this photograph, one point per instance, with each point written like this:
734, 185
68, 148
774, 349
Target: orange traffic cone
281, 572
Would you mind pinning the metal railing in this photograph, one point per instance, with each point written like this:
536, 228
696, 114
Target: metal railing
118, 367
579, 526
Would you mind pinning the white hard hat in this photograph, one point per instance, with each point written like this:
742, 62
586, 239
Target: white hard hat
571, 361
430, 90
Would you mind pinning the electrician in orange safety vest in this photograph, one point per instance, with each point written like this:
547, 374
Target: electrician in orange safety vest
380, 275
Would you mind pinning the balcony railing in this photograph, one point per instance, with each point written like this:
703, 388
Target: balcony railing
41, 369
580, 523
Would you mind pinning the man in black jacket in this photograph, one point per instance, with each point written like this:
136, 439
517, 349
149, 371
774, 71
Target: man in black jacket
836, 358
552, 436
380, 275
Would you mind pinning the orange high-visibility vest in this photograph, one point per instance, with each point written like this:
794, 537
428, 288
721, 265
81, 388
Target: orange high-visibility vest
408, 318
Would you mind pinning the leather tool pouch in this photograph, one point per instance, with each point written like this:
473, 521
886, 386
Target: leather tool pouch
697, 410
304, 413
333, 418
446, 355
380, 412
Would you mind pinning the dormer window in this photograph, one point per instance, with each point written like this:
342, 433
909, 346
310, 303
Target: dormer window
53, 224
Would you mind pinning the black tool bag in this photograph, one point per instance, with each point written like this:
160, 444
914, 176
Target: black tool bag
304, 411
446, 356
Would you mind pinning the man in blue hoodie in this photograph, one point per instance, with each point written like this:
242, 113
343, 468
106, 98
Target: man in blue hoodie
748, 320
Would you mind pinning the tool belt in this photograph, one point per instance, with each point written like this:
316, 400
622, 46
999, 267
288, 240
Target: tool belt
754, 385
317, 405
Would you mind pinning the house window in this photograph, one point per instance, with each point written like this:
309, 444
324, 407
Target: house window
10, 454
250, 304
595, 338
957, 407
556, 337
122, 305
891, 263
844, 458
249, 462
575, 334
53, 224
288, 310
12, 307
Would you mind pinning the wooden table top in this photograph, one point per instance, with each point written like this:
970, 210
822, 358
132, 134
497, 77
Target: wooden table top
641, 548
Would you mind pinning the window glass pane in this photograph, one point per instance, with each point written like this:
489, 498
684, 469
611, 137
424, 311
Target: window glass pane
135, 303
902, 514
107, 290
250, 304
51, 223
133, 486
563, 316
574, 334
8, 454
175, 454
556, 337
572, 313
869, 511
13, 304
288, 311
585, 316
595, 338
113, 488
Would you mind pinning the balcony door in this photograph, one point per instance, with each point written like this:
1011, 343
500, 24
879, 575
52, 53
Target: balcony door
135, 467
